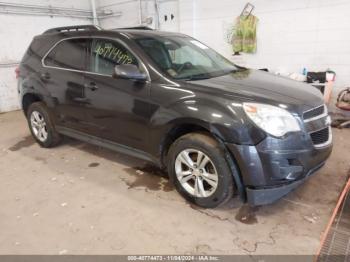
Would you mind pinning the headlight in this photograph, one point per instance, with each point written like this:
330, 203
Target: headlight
272, 119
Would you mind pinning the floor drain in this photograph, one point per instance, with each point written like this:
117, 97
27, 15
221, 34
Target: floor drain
336, 242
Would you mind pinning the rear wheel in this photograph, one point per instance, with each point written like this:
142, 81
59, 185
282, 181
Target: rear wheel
41, 125
199, 171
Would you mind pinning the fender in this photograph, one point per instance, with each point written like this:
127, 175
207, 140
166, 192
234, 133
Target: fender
34, 85
234, 167
215, 117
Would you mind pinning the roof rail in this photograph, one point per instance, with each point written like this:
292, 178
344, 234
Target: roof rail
72, 28
134, 28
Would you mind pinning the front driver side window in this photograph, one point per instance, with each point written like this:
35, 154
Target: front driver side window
106, 54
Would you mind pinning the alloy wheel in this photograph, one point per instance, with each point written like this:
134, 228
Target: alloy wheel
38, 126
196, 173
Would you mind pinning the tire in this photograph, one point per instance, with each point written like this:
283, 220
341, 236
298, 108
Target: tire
198, 146
39, 119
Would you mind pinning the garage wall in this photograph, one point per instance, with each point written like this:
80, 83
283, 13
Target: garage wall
17, 31
291, 34
129, 10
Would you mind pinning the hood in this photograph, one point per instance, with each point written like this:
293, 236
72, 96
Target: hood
263, 87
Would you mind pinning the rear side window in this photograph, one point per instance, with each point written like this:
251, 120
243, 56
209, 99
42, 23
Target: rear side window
106, 54
68, 54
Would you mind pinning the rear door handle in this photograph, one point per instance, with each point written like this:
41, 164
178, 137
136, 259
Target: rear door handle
45, 76
92, 86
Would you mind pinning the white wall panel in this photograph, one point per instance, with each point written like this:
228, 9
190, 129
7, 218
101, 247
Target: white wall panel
128, 8
291, 34
16, 33
8, 91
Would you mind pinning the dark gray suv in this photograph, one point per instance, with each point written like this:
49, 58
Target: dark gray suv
219, 129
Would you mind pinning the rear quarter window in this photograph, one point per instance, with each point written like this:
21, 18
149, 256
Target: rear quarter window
68, 54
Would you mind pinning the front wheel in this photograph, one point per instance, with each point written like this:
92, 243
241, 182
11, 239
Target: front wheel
198, 168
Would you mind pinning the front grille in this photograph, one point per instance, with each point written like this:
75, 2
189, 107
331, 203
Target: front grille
321, 136
317, 111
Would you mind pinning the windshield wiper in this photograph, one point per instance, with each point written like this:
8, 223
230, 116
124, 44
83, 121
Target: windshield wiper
232, 71
210, 75
197, 77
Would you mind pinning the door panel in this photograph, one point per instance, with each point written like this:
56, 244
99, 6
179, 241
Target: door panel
118, 109
64, 80
67, 90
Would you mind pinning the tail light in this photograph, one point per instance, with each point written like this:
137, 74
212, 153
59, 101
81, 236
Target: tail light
17, 72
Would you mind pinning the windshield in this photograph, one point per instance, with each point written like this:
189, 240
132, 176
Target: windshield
185, 58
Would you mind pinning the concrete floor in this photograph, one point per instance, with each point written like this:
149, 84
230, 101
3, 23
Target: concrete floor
81, 199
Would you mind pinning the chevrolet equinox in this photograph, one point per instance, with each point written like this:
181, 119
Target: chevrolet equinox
220, 130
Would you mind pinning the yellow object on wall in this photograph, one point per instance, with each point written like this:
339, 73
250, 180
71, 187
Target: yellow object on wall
244, 38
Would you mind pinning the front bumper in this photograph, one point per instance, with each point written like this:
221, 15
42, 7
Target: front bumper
268, 195
274, 167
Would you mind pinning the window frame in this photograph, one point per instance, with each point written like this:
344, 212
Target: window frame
54, 46
88, 54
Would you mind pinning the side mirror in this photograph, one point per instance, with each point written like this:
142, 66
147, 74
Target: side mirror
129, 71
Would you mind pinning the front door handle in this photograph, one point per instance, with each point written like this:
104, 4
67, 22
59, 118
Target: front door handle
92, 86
82, 100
